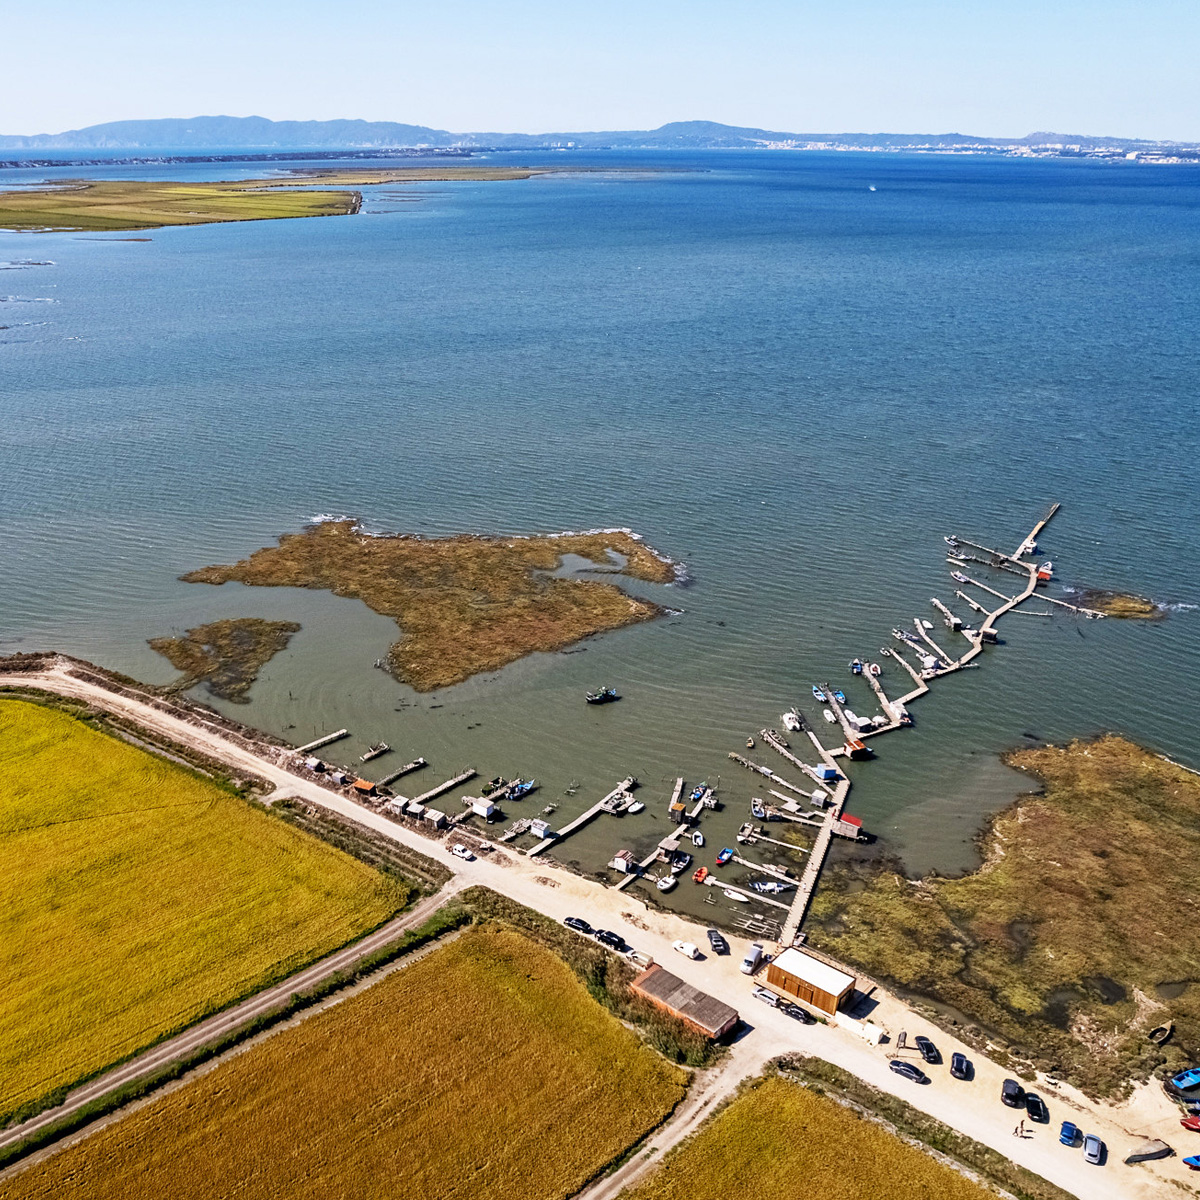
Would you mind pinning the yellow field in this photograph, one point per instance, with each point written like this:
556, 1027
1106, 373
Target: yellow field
484, 1070
783, 1140
135, 895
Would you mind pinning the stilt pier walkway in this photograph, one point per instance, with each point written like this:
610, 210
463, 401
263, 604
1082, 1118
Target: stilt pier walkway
323, 741
448, 786
617, 800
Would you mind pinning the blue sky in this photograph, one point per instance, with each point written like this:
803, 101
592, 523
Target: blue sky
1006, 67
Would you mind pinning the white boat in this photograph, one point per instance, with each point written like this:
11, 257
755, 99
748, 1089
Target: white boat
667, 882
924, 624
697, 838
636, 807
828, 715
875, 669
791, 721
737, 896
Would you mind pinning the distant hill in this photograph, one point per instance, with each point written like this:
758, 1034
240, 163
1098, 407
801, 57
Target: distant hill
259, 133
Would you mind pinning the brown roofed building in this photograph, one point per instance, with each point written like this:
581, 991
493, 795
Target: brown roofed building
712, 1017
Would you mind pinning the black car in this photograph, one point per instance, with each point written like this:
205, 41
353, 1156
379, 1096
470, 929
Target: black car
960, 1066
908, 1071
578, 924
1012, 1093
1035, 1106
717, 942
929, 1052
613, 940
798, 1014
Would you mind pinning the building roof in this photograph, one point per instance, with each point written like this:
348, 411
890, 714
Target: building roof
813, 971
710, 1014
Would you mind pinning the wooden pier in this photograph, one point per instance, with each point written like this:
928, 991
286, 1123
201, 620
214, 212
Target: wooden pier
952, 620
777, 744
714, 881
323, 741
767, 773
948, 660
759, 836
979, 608
443, 788
415, 765
617, 801
763, 869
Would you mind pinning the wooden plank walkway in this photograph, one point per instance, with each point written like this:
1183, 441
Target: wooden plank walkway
713, 881
608, 804
776, 742
415, 765
767, 773
449, 785
323, 741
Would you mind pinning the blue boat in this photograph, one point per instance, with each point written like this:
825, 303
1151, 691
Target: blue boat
818, 694
724, 856
520, 787
840, 697
856, 666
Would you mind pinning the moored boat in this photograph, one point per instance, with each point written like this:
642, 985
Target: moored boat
666, 883
875, 670
771, 887
494, 785
959, 577
857, 666
697, 838
519, 788
680, 861
840, 697
604, 695
749, 743
700, 876
827, 713
818, 694
1045, 572
636, 807
757, 809
791, 721
724, 856
951, 541
737, 896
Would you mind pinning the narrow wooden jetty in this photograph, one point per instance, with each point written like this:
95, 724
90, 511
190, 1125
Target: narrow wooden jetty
374, 752
776, 742
676, 794
448, 786
979, 608
758, 836
953, 621
984, 587
666, 847
323, 741
763, 869
948, 660
767, 773
714, 881
415, 765
617, 801
1036, 532
889, 709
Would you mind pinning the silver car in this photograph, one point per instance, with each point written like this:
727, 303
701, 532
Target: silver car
1093, 1149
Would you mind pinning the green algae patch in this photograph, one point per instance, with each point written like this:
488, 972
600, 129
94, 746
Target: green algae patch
1071, 940
226, 656
1122, 604
464, 604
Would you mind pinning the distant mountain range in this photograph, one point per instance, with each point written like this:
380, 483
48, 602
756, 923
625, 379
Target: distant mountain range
258, 133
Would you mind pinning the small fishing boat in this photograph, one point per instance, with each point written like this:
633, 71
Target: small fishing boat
857, 666
636, 807
701, 875
840, 697
666, 883
604, 695
952, 542
680, 861
924, 624
698, 791
737, 896
374, 751
827, 713
494, 785
875, 670
959, 577
757, 809
818, 694
697, 838
521, 787
724, 856
1045, 572
791, 721
958, 557
771, 887
749, 743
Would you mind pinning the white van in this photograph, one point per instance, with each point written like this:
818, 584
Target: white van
752, 959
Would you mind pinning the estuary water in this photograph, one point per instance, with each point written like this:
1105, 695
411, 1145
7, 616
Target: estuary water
791, 372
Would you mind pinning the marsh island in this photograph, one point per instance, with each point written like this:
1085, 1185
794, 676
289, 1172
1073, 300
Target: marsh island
464, 604
225, 655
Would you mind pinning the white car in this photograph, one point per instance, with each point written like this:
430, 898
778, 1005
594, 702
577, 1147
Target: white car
460, 851
686, 949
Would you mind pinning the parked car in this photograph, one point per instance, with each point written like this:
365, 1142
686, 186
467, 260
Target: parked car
1069, 1133
908, 1071
717, 942
1012, 1093
613, 940
1186, 1080
798, 1014
460, 851
761, 993
1093, 1150
687, 949
578, 924
1192, 1123
752, 959
929, 1052
1035, 1106
960, 1066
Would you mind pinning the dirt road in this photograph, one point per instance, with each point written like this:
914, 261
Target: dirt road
972, 1108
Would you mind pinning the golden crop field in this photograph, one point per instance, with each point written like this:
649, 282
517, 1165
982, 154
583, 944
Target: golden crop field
483, 1070
780, 1139
135, 895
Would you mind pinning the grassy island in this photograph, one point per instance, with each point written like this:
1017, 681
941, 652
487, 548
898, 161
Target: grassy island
483, 1070
465, 604
136, 896
225, 655
112, 204
1079, 934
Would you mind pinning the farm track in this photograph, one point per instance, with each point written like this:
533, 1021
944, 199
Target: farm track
211, 1030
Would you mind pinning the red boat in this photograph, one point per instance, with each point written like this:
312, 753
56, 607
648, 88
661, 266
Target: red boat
724, 856
1045, 572
1192, 1123
701, 875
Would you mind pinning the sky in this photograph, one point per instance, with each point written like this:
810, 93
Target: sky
931, 66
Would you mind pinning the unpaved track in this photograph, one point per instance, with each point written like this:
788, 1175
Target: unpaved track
973, 1109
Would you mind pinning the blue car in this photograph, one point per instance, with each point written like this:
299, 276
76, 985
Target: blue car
1069, 1133
1186, 1080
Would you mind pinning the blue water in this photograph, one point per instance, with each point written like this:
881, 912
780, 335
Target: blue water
792, 383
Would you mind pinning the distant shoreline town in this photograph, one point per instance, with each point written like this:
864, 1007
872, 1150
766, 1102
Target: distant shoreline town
230, 139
